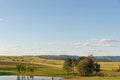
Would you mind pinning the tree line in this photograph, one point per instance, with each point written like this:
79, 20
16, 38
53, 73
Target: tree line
24, 69
84, 66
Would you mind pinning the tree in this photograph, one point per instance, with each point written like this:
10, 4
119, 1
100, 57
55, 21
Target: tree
96, 67
80, 58
86, 66
23, 69
67, 65
18, 67
74, 63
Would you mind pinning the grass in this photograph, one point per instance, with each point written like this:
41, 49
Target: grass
98, 78
43, 67
109, 65
50, 67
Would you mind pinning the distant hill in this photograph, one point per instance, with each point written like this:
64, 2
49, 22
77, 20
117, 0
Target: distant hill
99, 58
57, 56
108, 58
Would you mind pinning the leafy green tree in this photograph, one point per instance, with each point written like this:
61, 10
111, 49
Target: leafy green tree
74, 63
23, 69
96, 67
68, 65
18, 67
85, 66
79, 59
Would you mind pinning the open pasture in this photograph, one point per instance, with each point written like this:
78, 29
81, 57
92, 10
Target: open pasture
109, 65
51, 67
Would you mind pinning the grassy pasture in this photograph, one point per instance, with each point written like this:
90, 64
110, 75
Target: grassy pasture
43, 67
109, 65
33, 60
50, 67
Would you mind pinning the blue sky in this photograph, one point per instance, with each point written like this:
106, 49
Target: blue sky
71, 27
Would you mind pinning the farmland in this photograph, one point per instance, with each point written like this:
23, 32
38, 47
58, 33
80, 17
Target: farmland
52, 67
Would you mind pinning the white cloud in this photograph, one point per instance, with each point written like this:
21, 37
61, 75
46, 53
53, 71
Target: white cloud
107, 40
98, 43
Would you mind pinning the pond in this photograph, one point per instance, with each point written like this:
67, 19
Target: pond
29, 78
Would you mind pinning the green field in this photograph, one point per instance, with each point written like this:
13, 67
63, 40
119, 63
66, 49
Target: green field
50, 67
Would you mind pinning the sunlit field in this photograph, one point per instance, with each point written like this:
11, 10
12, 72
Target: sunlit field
51, 67
109, 65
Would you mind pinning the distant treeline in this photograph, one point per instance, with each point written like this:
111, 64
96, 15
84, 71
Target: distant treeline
59, 57
98, 58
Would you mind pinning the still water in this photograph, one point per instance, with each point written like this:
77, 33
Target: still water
29, 78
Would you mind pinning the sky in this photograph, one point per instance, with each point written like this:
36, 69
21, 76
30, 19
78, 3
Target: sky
60, 27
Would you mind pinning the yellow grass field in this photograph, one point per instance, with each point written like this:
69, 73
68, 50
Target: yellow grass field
54, 63
52, 67
109, 65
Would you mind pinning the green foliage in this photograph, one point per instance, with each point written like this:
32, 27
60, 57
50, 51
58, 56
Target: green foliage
68, 65
74, 63
18, 67
85, 67
79, 59
96, 67
23, 69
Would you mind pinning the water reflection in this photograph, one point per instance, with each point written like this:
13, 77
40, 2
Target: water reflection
37, 78
25, 78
